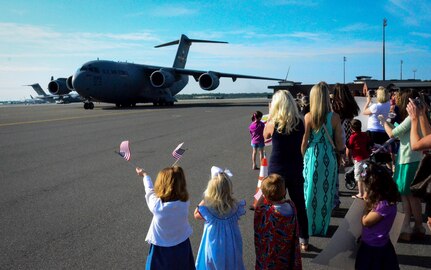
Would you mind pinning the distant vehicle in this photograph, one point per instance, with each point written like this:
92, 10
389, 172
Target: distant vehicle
60, 94
126, 84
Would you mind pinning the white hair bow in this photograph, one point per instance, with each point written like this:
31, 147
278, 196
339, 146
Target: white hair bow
216, 170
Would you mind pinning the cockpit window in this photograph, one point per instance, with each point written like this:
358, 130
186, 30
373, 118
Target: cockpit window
94, 69
84, 68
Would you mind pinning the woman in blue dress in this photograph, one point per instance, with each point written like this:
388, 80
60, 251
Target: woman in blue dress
221, 244
322, 139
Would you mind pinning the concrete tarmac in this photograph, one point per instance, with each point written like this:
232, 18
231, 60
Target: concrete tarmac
68, 201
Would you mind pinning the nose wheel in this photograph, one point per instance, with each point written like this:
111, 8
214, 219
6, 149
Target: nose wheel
88, 105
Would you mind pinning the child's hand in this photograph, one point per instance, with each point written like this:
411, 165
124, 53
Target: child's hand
140, 171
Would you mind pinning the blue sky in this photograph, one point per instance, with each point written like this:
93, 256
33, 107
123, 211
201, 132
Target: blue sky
40, 39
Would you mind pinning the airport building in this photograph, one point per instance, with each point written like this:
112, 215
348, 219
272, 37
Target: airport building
359, 87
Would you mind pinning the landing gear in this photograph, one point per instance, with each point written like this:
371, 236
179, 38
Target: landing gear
88, 105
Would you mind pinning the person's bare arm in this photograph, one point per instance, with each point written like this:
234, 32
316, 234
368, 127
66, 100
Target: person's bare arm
269, 130
419, 123
336, 127
371, 218
304, 143
197, 215
366, 110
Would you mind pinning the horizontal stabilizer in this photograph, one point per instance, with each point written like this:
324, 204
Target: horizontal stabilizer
185, 38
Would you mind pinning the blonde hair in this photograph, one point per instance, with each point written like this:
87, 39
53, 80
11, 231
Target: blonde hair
218, 194
382, 94
273, 187
284, 112
320, 104
170, 185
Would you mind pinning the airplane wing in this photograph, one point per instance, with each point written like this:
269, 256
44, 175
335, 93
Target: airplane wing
197, 73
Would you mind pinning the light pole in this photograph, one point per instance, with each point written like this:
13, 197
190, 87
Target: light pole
385, 23
414, 73
401, 70
344, 69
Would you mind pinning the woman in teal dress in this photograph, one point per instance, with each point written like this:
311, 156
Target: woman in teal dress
319, 147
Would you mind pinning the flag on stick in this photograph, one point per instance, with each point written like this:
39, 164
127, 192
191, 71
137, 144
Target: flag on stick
125, 150
178, 153
125, 153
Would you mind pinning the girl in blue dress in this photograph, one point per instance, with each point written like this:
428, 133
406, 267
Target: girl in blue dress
221, 244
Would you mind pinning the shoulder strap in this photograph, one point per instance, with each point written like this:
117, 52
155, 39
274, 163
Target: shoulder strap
329, 137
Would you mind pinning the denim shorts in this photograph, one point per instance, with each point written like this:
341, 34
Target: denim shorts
258, 145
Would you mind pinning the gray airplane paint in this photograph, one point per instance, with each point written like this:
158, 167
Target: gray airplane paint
126, 84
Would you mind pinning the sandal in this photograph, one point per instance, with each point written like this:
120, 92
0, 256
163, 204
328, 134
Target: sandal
304, 247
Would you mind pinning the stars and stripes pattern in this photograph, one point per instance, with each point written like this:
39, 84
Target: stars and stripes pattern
125, 150
178, 152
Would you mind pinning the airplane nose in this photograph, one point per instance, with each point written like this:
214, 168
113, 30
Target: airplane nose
78, 83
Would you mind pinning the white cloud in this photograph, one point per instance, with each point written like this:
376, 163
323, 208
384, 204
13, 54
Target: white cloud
413, 13
423, 35
172, 11
357, 27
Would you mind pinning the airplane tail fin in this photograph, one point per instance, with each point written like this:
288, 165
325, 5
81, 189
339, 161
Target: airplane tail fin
183, 49
38, 89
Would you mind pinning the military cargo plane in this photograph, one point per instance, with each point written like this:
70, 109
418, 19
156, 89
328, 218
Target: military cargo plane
125, 84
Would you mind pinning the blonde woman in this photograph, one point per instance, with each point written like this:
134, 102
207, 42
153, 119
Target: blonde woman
221, 244
322, 131
374, 128
286, 128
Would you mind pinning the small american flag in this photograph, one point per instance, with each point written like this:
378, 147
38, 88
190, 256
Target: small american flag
178, 152
125, 150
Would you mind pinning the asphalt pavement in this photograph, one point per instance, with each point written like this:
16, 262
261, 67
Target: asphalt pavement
68, 201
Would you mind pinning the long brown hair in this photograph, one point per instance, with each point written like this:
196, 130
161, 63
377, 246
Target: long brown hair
344, 103
378, 184
170, 185
403, 100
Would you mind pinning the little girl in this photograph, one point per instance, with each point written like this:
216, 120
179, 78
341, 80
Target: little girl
170, 230
257, 141
221, 244
381, 194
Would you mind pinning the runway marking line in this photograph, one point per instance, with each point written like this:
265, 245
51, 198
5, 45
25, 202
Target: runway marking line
62, 119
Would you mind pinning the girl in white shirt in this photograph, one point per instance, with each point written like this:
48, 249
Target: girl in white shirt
170, 230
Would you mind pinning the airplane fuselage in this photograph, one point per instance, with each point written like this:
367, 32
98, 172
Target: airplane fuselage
126, 84
122, 83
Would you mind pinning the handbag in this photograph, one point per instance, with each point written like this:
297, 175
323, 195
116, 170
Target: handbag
421, 185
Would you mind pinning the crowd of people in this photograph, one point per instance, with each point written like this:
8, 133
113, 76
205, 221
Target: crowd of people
310, 142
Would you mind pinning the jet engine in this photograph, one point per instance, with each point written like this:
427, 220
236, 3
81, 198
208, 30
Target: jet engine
162, 78
209, 81
69, 83
58, 87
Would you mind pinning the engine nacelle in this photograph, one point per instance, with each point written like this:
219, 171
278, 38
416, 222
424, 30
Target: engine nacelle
209, 81
162, 78
69, 83
58, 87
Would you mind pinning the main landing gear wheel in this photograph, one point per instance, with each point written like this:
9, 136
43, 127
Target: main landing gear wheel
88, 105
